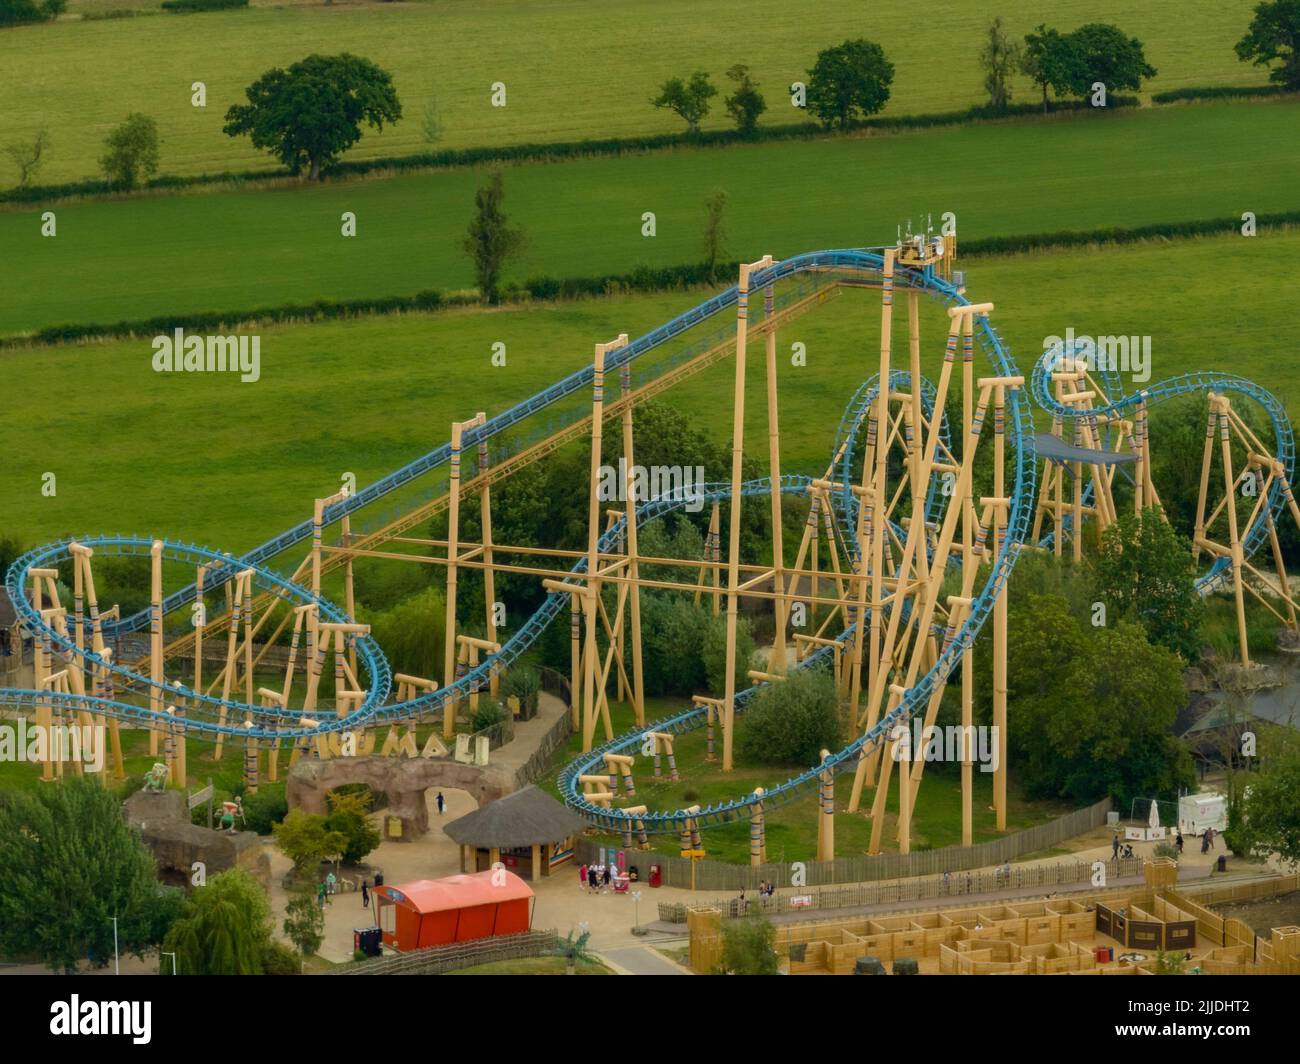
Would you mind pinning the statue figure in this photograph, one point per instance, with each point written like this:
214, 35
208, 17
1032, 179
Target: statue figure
155, 780
230, 810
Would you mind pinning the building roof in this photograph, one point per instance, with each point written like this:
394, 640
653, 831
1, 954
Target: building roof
458, 892
1055, 449
521, 819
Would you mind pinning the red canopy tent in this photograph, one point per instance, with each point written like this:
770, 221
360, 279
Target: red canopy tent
434, 912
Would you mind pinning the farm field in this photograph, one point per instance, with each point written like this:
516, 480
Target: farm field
542, 50
204, 457
238, 250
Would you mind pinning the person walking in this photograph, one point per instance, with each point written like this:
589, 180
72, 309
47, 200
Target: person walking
442, 803
1178, 842
330, 883
365, 894
607, 876
320, 893
582, 877
1114, 847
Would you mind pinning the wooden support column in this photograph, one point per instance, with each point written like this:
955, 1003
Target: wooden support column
155, 641
489, 576
591, 592
781, 605
631, 534
733, 548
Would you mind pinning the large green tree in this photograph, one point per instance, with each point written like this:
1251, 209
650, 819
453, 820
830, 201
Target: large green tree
1091, 710
311, 113
1144, 571
1049, 58
1274, 35
225, 928
69, 864
849, 80
1271, 815
1104, 53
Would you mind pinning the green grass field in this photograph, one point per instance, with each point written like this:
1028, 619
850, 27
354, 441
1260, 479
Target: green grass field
204, 457
573, 68
235, 250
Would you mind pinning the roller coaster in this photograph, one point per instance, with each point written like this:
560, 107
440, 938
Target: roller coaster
919, 558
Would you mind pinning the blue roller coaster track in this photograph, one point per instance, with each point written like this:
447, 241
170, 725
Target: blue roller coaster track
205, 714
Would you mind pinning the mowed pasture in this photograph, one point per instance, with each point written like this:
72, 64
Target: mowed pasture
573, 69
236, 250
207, 458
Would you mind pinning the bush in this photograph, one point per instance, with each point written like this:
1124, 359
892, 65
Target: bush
749, 947
489, 712
17, 12
792, 721
304, 920
1217, 92
349, 818
713, 653
279, 959
132, 151
522, 683
186, 6
263, 810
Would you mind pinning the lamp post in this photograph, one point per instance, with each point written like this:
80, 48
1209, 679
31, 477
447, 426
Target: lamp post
117, 967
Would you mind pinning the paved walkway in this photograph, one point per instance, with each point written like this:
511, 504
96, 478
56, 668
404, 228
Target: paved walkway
641, 960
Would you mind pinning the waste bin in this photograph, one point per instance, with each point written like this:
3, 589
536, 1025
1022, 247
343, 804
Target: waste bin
656, 875
868, 966
367, 940
632, 874
1223, 862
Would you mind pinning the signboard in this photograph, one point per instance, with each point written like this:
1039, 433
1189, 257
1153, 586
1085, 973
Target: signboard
199, 797
801, 901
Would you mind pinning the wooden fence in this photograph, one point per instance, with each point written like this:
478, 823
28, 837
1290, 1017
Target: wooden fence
903, 891
719, 875
438, 959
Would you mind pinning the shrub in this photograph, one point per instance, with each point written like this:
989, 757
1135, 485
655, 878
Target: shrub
793, 720
187, 6
132, 151
749, 946
489, 712
279, 959
713, 653
306, 841
304, 921
522, 683
348, 817
16, 12
263, 810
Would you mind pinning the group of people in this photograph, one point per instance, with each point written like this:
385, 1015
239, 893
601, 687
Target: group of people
1126, 849
595, 878
328, 887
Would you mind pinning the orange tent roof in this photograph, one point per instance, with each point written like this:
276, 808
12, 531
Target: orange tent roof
459, 892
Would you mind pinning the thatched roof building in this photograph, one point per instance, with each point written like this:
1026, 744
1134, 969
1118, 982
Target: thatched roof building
520, 827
